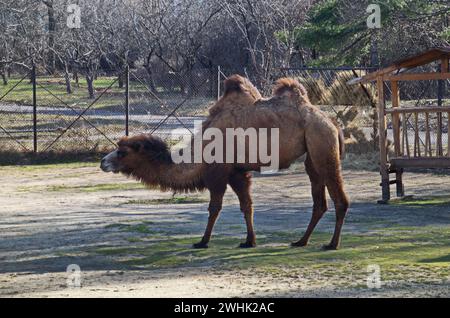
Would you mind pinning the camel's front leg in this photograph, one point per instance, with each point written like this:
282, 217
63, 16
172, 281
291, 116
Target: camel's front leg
215, 206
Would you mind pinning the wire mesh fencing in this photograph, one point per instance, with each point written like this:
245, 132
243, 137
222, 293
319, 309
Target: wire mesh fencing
66, 112
168, 103
42, 113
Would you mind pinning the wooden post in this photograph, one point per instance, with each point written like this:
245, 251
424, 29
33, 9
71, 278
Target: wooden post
386, 195
395, 119
396, 129
427, 136
416, 136
441, 83
442, 88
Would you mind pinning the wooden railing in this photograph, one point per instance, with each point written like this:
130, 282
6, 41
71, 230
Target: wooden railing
419, 147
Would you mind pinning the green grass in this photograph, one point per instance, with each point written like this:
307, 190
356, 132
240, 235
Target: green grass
411, 201
402, 253
141, 228
43, 167
174, 200
140, 98
86, 188
99, 187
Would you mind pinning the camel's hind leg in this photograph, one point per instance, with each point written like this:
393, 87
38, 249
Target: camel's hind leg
335, 188
240, 183
319, 198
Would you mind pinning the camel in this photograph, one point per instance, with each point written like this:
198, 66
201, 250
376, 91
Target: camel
303, 129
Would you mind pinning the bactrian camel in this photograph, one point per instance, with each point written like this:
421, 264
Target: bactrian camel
303, 128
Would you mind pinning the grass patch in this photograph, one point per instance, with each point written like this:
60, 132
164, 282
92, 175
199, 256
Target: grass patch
44, 167
421, 254
174, 200
412, 201
141, 228
16, 158
87, 188
100, 187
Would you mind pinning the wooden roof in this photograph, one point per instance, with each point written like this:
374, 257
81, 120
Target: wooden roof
407, 63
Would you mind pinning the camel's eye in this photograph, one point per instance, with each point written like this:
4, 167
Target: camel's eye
121, 154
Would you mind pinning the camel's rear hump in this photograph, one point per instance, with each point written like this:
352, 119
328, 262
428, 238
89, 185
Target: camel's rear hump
291, 88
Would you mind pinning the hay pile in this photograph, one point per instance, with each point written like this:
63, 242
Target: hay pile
317, 91
341, 93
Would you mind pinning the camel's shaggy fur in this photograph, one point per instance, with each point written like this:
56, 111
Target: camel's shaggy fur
302, 129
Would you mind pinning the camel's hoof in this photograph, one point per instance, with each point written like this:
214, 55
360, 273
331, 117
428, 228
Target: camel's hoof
299, 244
247, 245
200, 245
329, 247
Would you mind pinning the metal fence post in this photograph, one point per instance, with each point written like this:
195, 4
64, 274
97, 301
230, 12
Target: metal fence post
127, 99
218, 82
33, 80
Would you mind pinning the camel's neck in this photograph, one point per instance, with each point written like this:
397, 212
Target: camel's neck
171, 176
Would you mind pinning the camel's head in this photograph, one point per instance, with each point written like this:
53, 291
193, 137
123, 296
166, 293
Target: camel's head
136, 152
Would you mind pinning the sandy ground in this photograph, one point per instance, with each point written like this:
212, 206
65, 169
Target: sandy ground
40, 228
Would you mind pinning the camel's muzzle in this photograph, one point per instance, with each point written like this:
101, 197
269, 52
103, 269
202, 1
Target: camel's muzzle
108, 162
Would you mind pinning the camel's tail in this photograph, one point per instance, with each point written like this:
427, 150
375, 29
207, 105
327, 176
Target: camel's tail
341, 138
292, 88
341, 142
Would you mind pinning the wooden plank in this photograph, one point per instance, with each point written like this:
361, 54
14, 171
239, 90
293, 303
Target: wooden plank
444, 70
439, 149
416, 136
407, 63
444, 65
396, 119
374, 75
384, 170
405, 135
423, 58
427, 136
426, 109
417, 77
448, 134
435, 162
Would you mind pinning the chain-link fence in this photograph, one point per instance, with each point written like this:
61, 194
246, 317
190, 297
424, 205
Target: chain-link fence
354, 107
44, 113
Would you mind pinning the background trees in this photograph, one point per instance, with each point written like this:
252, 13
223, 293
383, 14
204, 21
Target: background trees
253, 36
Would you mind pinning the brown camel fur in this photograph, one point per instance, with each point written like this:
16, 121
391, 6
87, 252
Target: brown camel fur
302, 129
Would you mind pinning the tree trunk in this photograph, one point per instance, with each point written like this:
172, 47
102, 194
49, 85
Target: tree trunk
75, 77
120, 78
51, 35
90, 85
67, 79
4, 76
151, 80
5, 79
374, 62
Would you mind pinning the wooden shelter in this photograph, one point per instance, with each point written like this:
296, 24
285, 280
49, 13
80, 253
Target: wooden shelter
420, 152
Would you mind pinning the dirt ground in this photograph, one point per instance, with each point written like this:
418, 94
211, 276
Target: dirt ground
133, 242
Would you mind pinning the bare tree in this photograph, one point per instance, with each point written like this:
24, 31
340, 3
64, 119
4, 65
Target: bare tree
258, 22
